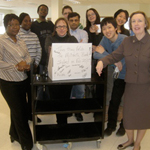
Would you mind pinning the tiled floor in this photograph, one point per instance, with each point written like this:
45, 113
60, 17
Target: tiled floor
108, 143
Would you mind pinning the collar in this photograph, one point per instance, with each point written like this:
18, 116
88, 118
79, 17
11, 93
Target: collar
25, 31
7, 36
73, 30
39, 21
143, 40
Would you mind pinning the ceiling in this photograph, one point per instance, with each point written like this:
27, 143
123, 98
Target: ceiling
10, 4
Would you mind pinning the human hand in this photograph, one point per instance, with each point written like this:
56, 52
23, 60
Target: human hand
100, 49
99, 67
22, 66
93, 48
119, 65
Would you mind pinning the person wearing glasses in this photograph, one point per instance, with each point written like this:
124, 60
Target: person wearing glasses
95, 36
61, 34
92, 20
15, 62
65, 12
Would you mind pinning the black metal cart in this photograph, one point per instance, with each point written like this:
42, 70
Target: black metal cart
71, 132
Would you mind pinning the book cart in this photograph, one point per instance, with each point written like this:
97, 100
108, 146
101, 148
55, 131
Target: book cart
71, 132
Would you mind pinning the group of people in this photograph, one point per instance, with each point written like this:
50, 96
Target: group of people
113, 46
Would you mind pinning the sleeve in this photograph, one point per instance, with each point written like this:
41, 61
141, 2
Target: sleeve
4, 65
97, 55
114, 57
38, 51
27, 57
84, 37
48, 42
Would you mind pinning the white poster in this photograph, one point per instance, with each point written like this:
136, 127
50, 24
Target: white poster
70, 61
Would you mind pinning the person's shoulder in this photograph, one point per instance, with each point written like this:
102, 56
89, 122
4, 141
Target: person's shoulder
122, 35
73, 39
50, 23
81, 30
34, 22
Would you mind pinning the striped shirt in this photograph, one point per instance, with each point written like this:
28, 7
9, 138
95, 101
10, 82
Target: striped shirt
11, 54
33, 44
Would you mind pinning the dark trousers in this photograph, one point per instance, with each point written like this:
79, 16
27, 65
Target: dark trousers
15, 96
28, 95
60, 92
117, 93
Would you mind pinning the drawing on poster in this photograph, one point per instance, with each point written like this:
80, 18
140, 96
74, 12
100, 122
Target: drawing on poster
70, 61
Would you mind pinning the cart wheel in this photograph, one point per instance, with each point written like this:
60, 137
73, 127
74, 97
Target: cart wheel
68, 145
41, 147
98, 143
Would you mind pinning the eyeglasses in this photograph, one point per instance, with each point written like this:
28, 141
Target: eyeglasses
59, 27
71, 20
13, 25
91, 15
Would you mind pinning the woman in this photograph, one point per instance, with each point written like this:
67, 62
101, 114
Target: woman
15, 60
60, 35
121, 17
135, 50
34, 49
92, 20
95, 36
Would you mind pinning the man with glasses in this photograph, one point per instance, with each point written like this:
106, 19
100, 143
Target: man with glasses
66, 10
82, 37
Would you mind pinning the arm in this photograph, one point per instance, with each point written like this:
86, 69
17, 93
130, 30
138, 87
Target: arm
114, 57
38, 52
99, 67
84, 37
100, 52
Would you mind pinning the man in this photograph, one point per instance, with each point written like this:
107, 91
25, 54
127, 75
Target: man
108, 44
65, 12
42, 28
82, 37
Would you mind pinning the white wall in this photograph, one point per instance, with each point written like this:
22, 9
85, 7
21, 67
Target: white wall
103, 9
110, 9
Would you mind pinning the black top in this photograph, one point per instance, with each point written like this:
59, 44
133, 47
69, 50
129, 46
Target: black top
125, 32
57, 39
93, 37
42, 29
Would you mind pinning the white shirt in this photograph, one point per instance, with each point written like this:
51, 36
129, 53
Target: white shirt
80, 35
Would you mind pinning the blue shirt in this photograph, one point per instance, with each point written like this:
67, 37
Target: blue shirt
109, 48
80, 35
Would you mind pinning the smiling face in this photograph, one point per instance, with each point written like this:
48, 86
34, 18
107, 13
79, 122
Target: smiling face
138, 24
121, 19
91, 16
13, 28
26, 23
61, 28
109, 32
43, 11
